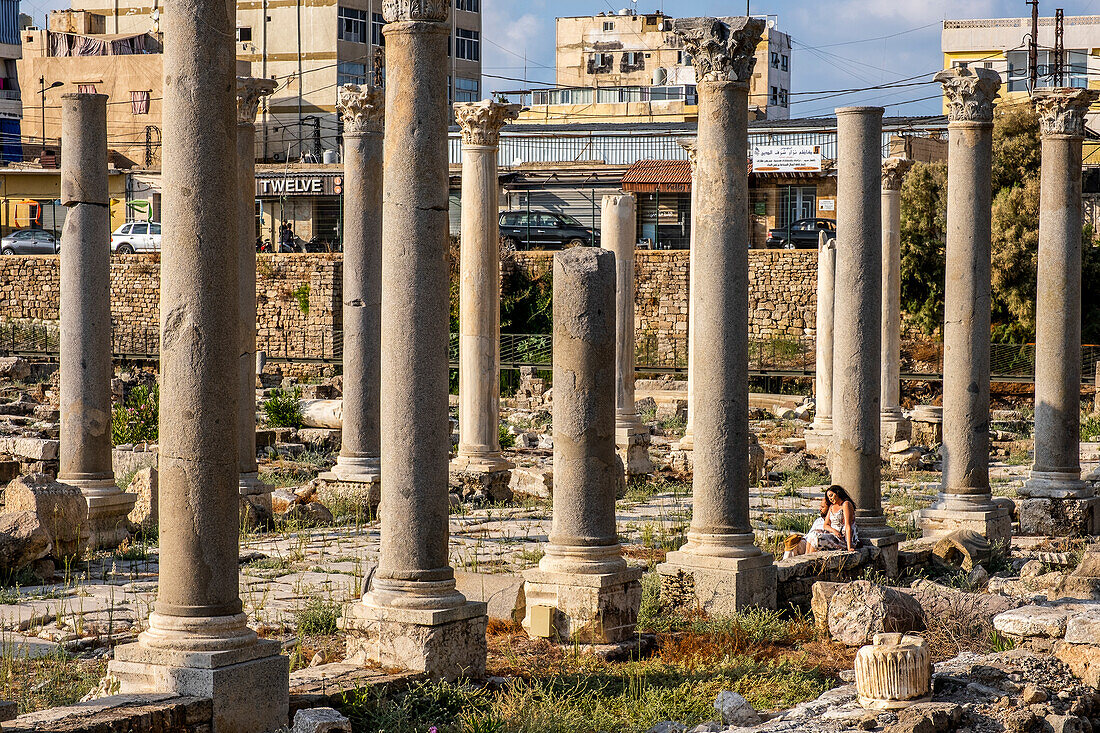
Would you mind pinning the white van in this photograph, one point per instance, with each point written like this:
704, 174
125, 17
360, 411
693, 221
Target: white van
137, 236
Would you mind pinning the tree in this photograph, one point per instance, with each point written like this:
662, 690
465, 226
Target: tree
1016, 146
1015, 260
923, 227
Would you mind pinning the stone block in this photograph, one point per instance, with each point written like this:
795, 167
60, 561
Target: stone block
532, 481
31, 449
1032, 621
144, 487
589, 608
993, 524
502, 593
320, 720
1084, 629
632, 444
23, 540
447, 644
1060, 517
860, 610
719, 586
61, 509
1082, 659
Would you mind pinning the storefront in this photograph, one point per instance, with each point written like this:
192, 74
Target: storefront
309, 199
30, 199
663, 188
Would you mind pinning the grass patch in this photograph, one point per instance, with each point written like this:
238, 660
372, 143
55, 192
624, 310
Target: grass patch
49, 681
1018, 457
802, 478
318, 618
1090, 427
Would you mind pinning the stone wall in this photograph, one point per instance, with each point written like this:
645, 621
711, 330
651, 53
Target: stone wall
153, 713
299, 299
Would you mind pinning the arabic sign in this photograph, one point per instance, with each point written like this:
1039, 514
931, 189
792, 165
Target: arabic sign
786, 159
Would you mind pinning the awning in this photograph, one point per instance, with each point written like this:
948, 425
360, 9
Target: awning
664, 176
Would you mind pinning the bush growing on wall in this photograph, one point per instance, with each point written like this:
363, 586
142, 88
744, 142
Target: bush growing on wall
136, 420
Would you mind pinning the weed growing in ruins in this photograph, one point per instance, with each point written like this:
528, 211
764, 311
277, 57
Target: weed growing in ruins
507, 439
1018, 457
318, 618
1090, 427
301, 294
137, 419
281, 409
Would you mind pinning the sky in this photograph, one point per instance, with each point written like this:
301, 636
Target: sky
837, 44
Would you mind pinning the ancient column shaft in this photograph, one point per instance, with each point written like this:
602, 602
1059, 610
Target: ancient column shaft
363, 111
857, 317
688, 441
1057, 468
895, 426
86, 367
618, 233
823, 342
249, 92
479, 288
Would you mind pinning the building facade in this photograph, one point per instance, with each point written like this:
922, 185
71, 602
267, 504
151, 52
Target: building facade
11, 109
614, 66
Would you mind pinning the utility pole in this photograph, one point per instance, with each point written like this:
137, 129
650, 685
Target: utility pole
1033, 47
1059, 49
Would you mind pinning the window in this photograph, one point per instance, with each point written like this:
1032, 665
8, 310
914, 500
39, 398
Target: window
377, 20
466, 90
785, 62
244, 34
1017, 71
139, 103
140, 229
154, 228
547, 221
783, 98
467, 44
775, 59
1076, 68
349, 72
774, 98
470, 6
632, 58
351, 25
85, 88
683, 58
608, 25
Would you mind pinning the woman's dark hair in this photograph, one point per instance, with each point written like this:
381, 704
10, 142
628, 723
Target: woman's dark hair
840, 493
824, 505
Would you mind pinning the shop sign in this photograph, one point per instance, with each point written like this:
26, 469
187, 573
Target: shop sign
786, 159
826, 204
304, 185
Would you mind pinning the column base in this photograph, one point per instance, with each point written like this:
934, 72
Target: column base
108, 510
1059, 516
927, 426
249, 484
977, 513
888, 545
687, 442
355, 484
819, 435
1056, 485
447, 644
236, 680
718, 585
589, 608
492, 486
357, 469
632, 443
894, 426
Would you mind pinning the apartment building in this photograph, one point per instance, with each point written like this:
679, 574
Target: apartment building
1002, 44
621, 65
311, 47
11, 109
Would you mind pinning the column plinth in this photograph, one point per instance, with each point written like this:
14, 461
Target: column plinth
411, 615
198, 642
819, 436
479, 459
894, 425
583, 577
965, 500
86, 367
1056, 472
720, 553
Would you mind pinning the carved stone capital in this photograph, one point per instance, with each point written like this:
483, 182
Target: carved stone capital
362, 109
893, 172
1062, 111
482, 121
721, 51
970, 93
693, 152
249, 91
430, 10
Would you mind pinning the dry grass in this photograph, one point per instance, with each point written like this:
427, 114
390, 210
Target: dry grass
50, 681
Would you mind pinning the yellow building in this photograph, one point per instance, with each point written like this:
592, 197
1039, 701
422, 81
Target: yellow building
30, 198
610, 67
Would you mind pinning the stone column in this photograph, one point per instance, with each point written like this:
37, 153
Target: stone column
198, 642
720, 569
895, 426
359, 466
411, 616
1056, 473
857, 319
479, 461
965, 500
86, 367
249, 92
618, 233
687, 442
583, 577
819, 436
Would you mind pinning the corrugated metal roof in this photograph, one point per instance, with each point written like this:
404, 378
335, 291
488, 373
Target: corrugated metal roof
658, 171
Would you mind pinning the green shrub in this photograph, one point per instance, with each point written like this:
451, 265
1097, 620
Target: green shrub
318, 618
1090, 428
301, 294
137, 419
281, 409
507, 439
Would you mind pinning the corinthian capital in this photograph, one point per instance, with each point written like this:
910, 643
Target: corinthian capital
1062, 111
689, 146
362, 109
970, 93
249, 91
721, 51
893, 172
431, 10
481, 121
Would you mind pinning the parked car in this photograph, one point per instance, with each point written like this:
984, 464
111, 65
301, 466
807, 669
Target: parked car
543, 230
803, 234
30, 242
137, 236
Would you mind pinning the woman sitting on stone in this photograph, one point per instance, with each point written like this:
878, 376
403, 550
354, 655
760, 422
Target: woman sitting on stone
796, 544
839, 528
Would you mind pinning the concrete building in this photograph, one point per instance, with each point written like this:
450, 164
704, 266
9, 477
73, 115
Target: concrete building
10, 107
613, 66
1001, 44
311, 49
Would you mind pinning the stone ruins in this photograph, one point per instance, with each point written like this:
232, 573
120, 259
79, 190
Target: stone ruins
204, 654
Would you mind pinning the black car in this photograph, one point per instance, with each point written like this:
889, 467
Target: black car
542, 230
803, 234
